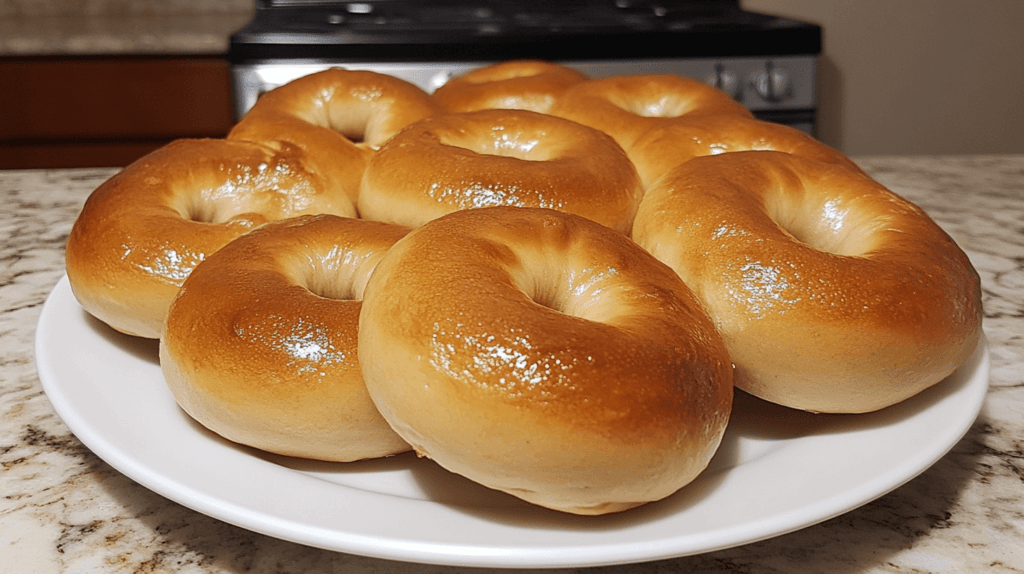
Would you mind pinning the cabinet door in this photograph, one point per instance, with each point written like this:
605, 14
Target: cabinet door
107, 111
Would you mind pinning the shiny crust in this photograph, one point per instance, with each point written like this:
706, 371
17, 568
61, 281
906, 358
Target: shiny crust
669, 144
144, 230
624, 107
500, 157
337, 117
532, 85
260, 344
528, 349
546, 356
833, 294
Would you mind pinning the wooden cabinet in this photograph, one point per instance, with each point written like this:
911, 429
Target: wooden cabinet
107, 112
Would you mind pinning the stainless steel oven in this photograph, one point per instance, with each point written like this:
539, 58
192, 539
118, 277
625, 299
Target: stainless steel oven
766, 62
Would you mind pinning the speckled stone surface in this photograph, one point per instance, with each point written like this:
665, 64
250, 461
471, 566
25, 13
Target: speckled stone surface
65, 510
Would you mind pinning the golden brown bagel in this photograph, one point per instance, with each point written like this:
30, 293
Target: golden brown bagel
499, 157
517, 84
833, 294
337, 117
144, 230
626, 106
546, 356
260, 343
665, 146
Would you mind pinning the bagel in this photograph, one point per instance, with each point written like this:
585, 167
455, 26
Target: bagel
260, 343
142, 231
665, 146
532, 85
832, 293
499, 157
544, 355
337, 117
624, 107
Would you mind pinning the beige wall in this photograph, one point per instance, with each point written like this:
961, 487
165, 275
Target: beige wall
917, 76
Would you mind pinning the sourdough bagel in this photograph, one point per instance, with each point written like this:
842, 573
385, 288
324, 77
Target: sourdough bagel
626, 106
665, 146
337, 117
142, 231
486, 158
260, 343
517, 84
832, 293
544, 355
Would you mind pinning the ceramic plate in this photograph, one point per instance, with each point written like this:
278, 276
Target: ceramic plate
777, 470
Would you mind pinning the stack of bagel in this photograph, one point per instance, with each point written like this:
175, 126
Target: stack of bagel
547, 283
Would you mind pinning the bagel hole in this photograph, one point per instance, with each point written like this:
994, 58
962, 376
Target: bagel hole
199, 213
548, 298
216, 198
323, 283
499, 76
330, 275
663, 107
501, 142
829, 226
579, 293
354, 136
199, 209
541, 285
352, 121
333, 291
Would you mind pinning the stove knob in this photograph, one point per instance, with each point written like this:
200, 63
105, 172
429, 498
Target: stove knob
772, 84
725, 80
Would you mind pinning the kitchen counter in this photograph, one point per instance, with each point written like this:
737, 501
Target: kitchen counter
65, 510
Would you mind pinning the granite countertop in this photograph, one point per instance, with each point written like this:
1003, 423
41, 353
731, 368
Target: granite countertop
65, 510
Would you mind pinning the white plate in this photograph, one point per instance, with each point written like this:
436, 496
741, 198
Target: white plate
778, 470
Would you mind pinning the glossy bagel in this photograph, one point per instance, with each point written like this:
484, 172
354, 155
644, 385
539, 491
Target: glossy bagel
665, 146
337, 117
260, 345
518, 84
626, 106
499, 157
544, 355
142, 231
833, 294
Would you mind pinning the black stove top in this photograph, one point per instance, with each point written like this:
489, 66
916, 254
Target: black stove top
425, 30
